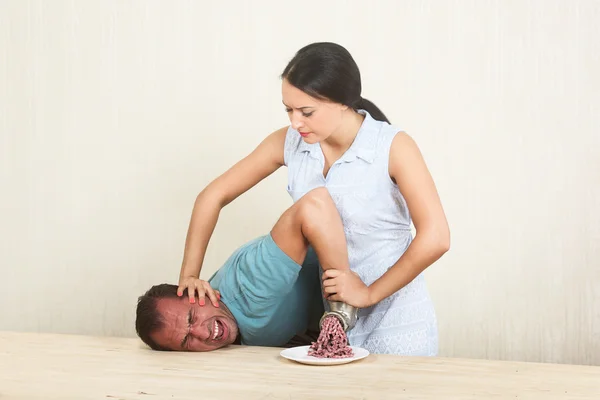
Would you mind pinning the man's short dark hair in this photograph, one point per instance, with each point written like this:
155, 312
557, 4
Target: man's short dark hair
148, 320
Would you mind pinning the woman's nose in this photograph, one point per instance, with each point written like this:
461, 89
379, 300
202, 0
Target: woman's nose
296, 121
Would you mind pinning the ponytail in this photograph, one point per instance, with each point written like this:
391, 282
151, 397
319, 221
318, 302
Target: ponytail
372, 109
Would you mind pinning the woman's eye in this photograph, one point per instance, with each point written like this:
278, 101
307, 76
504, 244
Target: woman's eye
306, 115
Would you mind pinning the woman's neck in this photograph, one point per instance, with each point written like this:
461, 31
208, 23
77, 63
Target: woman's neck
341, 140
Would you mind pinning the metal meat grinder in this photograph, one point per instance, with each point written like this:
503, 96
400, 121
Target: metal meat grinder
347, 314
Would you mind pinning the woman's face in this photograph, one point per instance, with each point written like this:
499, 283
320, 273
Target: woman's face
315, 119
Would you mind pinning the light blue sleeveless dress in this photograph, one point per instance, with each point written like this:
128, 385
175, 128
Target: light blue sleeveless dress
377, 224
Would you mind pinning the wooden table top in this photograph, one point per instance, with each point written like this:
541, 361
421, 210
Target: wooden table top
54, 366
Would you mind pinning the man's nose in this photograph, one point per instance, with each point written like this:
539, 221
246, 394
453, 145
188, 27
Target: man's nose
200, 331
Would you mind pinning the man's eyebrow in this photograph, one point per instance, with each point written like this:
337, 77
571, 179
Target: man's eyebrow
299, 108
187, 336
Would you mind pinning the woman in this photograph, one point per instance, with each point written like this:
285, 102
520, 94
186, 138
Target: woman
380, 184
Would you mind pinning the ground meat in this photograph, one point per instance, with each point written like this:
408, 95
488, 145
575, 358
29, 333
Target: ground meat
332, 341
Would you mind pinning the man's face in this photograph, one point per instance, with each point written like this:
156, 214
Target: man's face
192, 327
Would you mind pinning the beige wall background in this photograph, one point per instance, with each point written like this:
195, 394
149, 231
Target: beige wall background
115, 114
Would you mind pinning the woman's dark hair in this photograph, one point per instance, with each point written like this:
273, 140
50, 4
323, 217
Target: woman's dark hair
327, 71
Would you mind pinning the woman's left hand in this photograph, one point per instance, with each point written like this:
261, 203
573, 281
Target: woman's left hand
347, 287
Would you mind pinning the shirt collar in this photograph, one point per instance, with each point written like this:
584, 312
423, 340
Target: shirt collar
363, 146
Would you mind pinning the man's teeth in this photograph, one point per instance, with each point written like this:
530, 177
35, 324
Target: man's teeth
216, 330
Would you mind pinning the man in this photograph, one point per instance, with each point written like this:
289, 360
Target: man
269, 288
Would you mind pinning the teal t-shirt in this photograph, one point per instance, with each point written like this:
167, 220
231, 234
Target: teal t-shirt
271, 296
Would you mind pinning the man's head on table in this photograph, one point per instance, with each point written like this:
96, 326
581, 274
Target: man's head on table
166, 321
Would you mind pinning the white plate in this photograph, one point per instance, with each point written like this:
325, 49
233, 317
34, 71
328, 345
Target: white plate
300, 354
